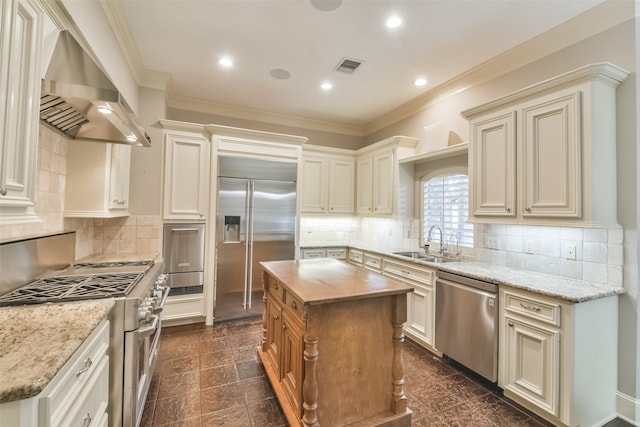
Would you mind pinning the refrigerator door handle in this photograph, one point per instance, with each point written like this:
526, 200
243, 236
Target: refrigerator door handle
249, 292
247, 250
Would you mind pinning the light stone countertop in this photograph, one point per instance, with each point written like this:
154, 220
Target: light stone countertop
566, 289
37, 340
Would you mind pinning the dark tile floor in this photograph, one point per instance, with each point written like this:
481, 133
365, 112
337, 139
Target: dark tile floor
209, 376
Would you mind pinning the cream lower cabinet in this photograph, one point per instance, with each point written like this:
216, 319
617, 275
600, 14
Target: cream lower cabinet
335, 253
78, 395
543, 155
21, 26
420, 302
97, 180
559, 359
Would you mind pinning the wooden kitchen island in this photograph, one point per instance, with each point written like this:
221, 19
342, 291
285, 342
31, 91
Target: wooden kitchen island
332, 343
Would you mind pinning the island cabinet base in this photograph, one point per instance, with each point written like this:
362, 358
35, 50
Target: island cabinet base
338, 362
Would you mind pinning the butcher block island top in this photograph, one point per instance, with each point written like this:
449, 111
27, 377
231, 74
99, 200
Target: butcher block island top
332, 343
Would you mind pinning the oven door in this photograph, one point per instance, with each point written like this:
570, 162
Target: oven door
141, 352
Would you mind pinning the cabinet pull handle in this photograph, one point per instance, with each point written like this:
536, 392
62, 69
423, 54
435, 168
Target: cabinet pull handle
294, 305
3, 191
87, 364
529, 307
87, 420
406, 272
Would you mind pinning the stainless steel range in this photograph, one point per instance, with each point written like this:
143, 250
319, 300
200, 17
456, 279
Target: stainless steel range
140, 292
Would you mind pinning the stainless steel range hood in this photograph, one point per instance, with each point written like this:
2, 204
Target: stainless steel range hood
79, 101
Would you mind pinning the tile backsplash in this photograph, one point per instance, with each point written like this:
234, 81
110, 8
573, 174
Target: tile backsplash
113, 236
598, 252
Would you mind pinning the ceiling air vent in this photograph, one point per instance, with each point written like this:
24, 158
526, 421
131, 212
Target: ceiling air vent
348, 65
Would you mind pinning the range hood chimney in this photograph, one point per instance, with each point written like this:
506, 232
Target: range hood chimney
79, 101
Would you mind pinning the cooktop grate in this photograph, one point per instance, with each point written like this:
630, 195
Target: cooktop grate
71, 288
111, 264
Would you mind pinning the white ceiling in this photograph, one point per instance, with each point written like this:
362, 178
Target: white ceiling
438, 40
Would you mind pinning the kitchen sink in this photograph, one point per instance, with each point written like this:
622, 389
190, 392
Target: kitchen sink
424, 257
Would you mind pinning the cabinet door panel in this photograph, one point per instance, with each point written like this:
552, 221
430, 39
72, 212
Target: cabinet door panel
494, 174
341, 185
274, 334
420, 313
314, 184
292, 362
551, 148
119, 179
186, 177
383, 182
365, 187
532, 362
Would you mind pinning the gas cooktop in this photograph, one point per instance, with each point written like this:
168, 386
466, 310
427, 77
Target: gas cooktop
80, 282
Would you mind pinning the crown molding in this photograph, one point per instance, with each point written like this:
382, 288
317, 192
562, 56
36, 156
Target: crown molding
235, 111
593, 21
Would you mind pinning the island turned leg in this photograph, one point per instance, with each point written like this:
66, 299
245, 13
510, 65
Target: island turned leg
265, 292
399, 399
310, 384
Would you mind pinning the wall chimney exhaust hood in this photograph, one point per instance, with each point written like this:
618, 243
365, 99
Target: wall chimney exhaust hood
79, 101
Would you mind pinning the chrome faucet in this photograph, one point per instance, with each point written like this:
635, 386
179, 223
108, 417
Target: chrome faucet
443, 246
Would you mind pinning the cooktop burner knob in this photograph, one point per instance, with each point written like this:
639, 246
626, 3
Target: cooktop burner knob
144, 314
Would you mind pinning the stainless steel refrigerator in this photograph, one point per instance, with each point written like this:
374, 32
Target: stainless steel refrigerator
255, 222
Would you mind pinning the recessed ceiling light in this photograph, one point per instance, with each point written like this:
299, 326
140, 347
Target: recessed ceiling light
420, 82
105, 109
131, 138
394, 22
326, 86
226, 62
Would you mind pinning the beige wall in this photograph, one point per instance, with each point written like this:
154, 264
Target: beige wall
316, 137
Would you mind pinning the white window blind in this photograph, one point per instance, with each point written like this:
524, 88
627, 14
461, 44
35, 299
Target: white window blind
446, 204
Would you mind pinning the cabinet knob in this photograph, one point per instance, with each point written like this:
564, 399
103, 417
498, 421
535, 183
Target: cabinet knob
294, 305
3, 191
511, 324
87, 420
528, 209
508, 209
275, 286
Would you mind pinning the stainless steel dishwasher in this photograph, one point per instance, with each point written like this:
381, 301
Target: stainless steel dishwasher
467, 322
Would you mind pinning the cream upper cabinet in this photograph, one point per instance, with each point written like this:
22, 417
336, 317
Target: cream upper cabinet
493, 165
544, 155
21, 26
186, 175
381, 179
384, 181
315, 175
551, 183
97, 184
328, 181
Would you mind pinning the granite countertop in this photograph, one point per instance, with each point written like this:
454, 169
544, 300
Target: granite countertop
33, 347
566, 289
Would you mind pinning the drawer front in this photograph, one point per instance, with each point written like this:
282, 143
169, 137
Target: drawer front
544, 311
313, 253
337, 253
90, 407
421, 275
68, 385
372, 261
356, 257
276, 290
293, 305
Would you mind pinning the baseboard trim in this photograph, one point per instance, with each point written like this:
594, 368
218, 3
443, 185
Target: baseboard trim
628, 408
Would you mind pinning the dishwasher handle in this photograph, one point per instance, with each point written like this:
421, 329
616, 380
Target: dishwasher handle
468, 281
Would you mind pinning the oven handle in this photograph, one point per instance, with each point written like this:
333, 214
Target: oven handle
149, 330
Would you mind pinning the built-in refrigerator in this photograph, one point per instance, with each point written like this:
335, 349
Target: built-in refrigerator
256, 221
